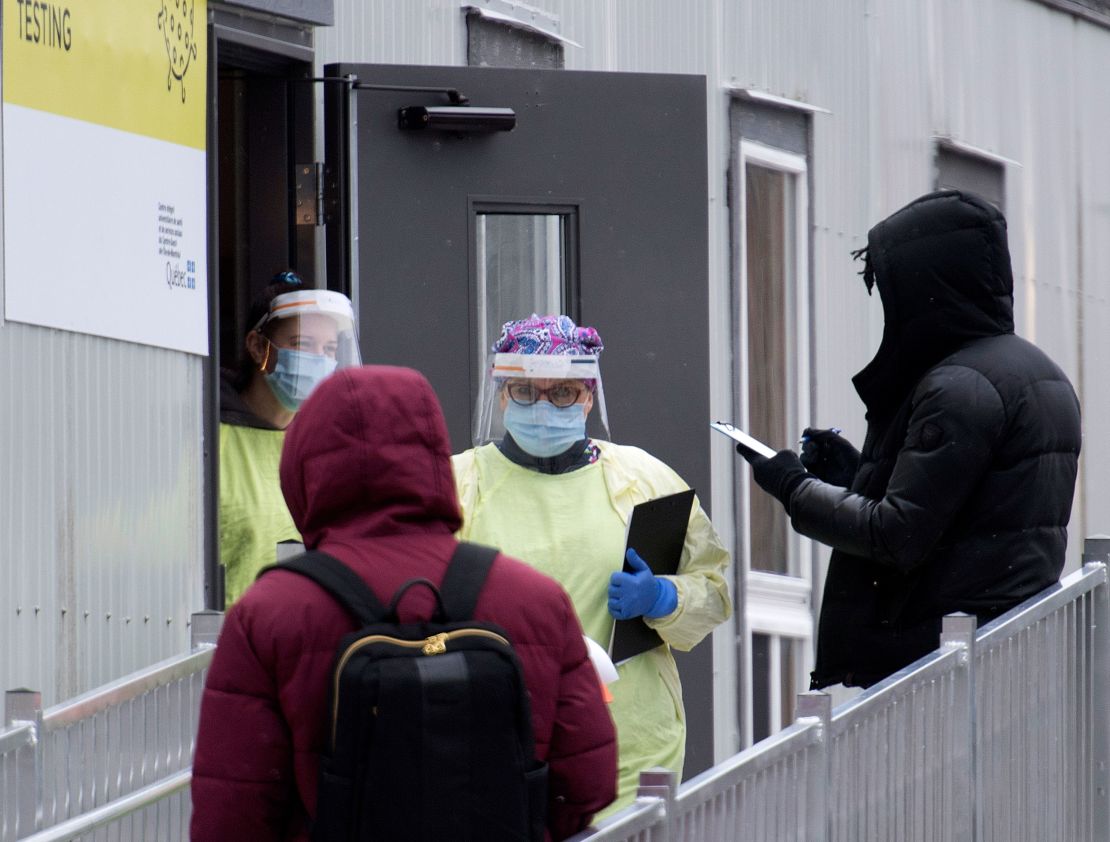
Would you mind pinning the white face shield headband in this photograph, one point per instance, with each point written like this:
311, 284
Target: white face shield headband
324, 302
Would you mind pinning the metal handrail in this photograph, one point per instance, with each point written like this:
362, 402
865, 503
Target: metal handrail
644, 815
141, 729
663, 811
936, 663
17, 736
948, 670
1051, 599
114, 810
127, 688
800, 735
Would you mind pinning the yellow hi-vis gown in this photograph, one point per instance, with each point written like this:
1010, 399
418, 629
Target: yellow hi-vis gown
253, 515
572, 527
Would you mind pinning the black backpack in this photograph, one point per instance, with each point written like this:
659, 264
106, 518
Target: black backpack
430, 723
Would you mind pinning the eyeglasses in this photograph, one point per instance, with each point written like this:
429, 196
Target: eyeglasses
561, 395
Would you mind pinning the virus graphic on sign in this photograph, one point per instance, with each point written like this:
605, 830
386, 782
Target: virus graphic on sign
176, 22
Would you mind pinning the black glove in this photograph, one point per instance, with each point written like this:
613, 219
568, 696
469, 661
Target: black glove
779, 475
829, 456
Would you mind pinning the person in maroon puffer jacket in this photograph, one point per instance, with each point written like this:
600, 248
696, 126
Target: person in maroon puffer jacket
366, 473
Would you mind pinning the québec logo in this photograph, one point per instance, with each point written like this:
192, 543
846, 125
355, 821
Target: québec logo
176, 22
184, 278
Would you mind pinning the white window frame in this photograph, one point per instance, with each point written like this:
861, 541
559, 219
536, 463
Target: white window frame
775, 605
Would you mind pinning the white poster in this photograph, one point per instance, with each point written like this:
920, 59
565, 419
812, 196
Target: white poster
105, 182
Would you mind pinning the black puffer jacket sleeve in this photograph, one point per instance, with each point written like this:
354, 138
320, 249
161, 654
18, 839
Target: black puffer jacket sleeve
957, 417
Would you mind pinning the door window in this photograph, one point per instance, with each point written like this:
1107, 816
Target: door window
521, 269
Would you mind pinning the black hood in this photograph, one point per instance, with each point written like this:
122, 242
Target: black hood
942, 266
234, 410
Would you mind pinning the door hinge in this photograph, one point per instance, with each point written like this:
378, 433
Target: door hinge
310, 193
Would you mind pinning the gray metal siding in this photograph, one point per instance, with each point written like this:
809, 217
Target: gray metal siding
100, 526
1091, 334
394, 32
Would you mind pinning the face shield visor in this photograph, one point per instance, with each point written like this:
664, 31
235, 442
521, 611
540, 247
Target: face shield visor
316, 321
309, 334
561, 380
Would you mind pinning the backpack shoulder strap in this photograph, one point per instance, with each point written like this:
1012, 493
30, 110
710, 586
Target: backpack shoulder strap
339, 580
466, 573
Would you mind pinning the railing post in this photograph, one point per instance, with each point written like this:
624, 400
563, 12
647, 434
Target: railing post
204, 628
1097, 549
658, 782
25, 706
958, 631
818, 818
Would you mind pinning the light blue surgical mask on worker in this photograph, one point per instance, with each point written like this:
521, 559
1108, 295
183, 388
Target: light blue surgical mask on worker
296, 374
543, 429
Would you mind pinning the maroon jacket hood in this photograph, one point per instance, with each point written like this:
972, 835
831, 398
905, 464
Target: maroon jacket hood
368, 455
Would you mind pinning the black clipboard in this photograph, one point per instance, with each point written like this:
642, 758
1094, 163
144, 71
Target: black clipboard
657, 531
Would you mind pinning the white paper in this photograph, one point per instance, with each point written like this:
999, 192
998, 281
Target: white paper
606, 670
735, 433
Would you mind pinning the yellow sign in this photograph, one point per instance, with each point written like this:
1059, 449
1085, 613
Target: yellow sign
135, 65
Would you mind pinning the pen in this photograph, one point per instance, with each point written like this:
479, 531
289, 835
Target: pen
836, 430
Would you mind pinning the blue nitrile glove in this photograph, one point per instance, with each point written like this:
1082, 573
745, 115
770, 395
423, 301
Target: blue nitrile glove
642, 593
779, 475
829, 456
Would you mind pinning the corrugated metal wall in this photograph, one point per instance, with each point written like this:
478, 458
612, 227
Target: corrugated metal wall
1011, 77
1091, 333
394, 32
100, 526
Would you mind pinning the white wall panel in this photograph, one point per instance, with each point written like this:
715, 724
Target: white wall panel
1092, 329
901, 77
394, 32
100, 514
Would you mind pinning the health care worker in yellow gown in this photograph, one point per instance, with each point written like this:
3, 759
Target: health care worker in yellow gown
295, 337
545, 491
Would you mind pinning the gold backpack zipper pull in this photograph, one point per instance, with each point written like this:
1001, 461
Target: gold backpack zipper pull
436, 644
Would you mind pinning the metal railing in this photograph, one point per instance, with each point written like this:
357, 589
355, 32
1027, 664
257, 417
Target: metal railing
116, 756
1001, 734
159, 811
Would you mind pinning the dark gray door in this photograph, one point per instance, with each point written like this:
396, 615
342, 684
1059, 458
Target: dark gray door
595, 204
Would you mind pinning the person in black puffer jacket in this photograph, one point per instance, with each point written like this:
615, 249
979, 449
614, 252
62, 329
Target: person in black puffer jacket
960, 498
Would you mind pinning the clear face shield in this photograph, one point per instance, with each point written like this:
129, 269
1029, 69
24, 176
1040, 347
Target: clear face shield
540, 391
308, 334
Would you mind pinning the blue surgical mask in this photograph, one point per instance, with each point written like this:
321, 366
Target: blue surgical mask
296, 374
543, 429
